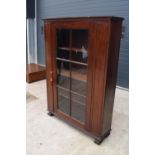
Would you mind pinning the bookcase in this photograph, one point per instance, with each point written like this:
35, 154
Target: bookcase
81, 69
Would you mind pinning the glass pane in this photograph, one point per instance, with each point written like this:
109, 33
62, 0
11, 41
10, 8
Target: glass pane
72, 55
63, 100
63, 43
63, 70
78, 107
78, 79
79, 45
63, 37
80, 55
63, 54
79, 38
63, 86
63, 74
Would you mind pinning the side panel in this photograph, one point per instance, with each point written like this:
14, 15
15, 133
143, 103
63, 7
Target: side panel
111, 74
101, 56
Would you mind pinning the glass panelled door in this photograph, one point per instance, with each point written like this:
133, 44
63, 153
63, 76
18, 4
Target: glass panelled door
71, 60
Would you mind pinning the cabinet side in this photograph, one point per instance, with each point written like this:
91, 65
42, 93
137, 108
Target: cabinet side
113, 57
101, 39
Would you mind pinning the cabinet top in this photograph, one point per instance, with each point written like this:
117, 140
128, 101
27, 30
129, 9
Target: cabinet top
84, 18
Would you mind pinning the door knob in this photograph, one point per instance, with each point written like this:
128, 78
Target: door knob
51, 77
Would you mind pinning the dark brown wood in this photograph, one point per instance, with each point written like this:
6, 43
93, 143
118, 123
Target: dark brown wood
49, 66
102, 42
115, 37
35, 72
91, 62
104, 34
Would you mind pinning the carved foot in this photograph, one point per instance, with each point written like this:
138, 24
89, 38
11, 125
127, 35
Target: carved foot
50, 113
99, 140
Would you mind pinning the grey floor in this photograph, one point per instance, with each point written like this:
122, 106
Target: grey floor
51, 136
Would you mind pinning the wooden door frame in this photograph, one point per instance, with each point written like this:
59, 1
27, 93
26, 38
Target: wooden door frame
51, 55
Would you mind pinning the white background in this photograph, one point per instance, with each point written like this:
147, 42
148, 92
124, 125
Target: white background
13, 77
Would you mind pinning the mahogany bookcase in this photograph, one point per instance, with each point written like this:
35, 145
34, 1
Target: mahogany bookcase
81, 68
